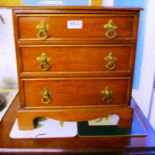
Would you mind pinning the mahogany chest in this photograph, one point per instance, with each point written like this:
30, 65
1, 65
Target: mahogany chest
75, 63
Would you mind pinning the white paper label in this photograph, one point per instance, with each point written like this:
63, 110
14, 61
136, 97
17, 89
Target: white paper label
74, 24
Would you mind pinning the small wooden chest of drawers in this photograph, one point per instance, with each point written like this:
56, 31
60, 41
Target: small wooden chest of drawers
75, 63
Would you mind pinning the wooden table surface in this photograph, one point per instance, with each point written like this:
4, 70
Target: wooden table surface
90, 145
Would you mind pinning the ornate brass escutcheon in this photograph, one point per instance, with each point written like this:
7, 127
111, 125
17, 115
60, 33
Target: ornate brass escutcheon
44, 59
107, 95
46, 96
42, 27
111, 27
111, 61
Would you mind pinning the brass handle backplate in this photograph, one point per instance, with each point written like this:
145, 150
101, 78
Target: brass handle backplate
46, 96
107, 95
111, 29
43, 59
111, 61
42, 30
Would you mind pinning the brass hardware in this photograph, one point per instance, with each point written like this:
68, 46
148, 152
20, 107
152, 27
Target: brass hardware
111, 61
46, 96
44, 59
107, 95
111, 27
42, 27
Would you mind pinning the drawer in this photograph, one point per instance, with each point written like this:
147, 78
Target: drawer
106, 58
77, 26
76, 92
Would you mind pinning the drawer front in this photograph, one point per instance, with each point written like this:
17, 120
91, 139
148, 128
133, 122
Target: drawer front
77, 26
76, 92
110, 58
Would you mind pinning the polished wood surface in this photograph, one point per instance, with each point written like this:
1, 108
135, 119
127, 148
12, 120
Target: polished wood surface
84, 58
76, 91
80, 57
74, 114
72, 8
58, 26
77, 145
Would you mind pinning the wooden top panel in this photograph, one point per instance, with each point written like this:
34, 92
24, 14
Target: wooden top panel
73, 9
99, 8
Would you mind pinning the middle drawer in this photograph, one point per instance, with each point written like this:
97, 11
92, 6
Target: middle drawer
77, 58
76, 91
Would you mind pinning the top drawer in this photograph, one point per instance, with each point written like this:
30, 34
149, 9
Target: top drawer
77, 27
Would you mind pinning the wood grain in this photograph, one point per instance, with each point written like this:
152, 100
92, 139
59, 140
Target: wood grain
27, 117
77, 72
93, 26
76, 91
78, 58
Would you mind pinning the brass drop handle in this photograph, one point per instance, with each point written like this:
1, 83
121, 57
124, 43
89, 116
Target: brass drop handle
46, 96
42, 30
107, 95
43, 59
110, 61
111, 29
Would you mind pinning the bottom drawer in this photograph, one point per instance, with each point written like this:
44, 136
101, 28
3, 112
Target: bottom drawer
76, 91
